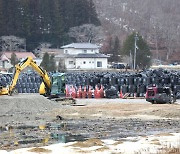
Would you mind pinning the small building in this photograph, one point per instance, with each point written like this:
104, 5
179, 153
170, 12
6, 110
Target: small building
83, 56
5, 59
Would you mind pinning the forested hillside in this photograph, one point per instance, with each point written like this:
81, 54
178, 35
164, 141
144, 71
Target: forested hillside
44, 20
60, 22
158, 21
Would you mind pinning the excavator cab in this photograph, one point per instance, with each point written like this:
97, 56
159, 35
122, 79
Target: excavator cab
57, 84
3, 91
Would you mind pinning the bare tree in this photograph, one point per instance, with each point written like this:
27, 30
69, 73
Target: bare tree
87, 33
170, 34
45, 45
40, 47
156, 20
12, 43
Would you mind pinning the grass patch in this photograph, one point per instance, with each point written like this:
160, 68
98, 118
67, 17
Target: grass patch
38, 150
88, 143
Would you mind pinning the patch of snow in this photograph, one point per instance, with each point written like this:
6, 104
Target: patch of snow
130, 145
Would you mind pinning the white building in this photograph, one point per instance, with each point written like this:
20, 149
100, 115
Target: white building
83, 56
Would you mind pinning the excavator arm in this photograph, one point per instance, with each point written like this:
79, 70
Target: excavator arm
45, 86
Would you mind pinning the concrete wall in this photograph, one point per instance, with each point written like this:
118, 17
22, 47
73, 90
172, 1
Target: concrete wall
70, 63
5, 65
90, 63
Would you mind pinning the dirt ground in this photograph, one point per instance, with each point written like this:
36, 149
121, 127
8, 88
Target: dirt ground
120, 109
30, 119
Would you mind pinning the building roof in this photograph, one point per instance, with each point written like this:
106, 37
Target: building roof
97, 55
52, 51
4, 58
81, 46
19, 55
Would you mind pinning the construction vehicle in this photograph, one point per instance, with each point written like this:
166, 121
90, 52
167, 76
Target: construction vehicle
160, 95
51, 86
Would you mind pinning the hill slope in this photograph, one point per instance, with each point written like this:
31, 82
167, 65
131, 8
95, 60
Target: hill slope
156, 20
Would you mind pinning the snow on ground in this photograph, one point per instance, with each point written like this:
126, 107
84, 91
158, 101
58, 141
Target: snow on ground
131, 145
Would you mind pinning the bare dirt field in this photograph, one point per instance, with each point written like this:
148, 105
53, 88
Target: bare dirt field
31, 120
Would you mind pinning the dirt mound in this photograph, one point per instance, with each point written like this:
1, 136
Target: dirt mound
24, 108
88, 143
31, 103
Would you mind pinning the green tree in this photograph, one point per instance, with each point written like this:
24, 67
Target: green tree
13, 59
143, 54
116, 50
48, 63
45, 62
44, 20
52, 63
92, 15
1, 18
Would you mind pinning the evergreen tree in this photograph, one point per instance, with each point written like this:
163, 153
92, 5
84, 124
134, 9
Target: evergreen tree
114, 47
13, 59
44, 20
1, 18
24, 19
11, 14
116, 50
58, 27
45, 62
52, 63
92, 15
143, 54
48, 62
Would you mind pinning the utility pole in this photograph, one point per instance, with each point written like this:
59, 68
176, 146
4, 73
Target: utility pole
135, 48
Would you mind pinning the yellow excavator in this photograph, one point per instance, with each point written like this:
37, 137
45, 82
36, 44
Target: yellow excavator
51, 86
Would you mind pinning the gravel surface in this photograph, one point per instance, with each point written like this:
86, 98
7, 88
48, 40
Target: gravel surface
23, 108
31, 120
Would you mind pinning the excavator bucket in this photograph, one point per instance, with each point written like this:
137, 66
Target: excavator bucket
3, 91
